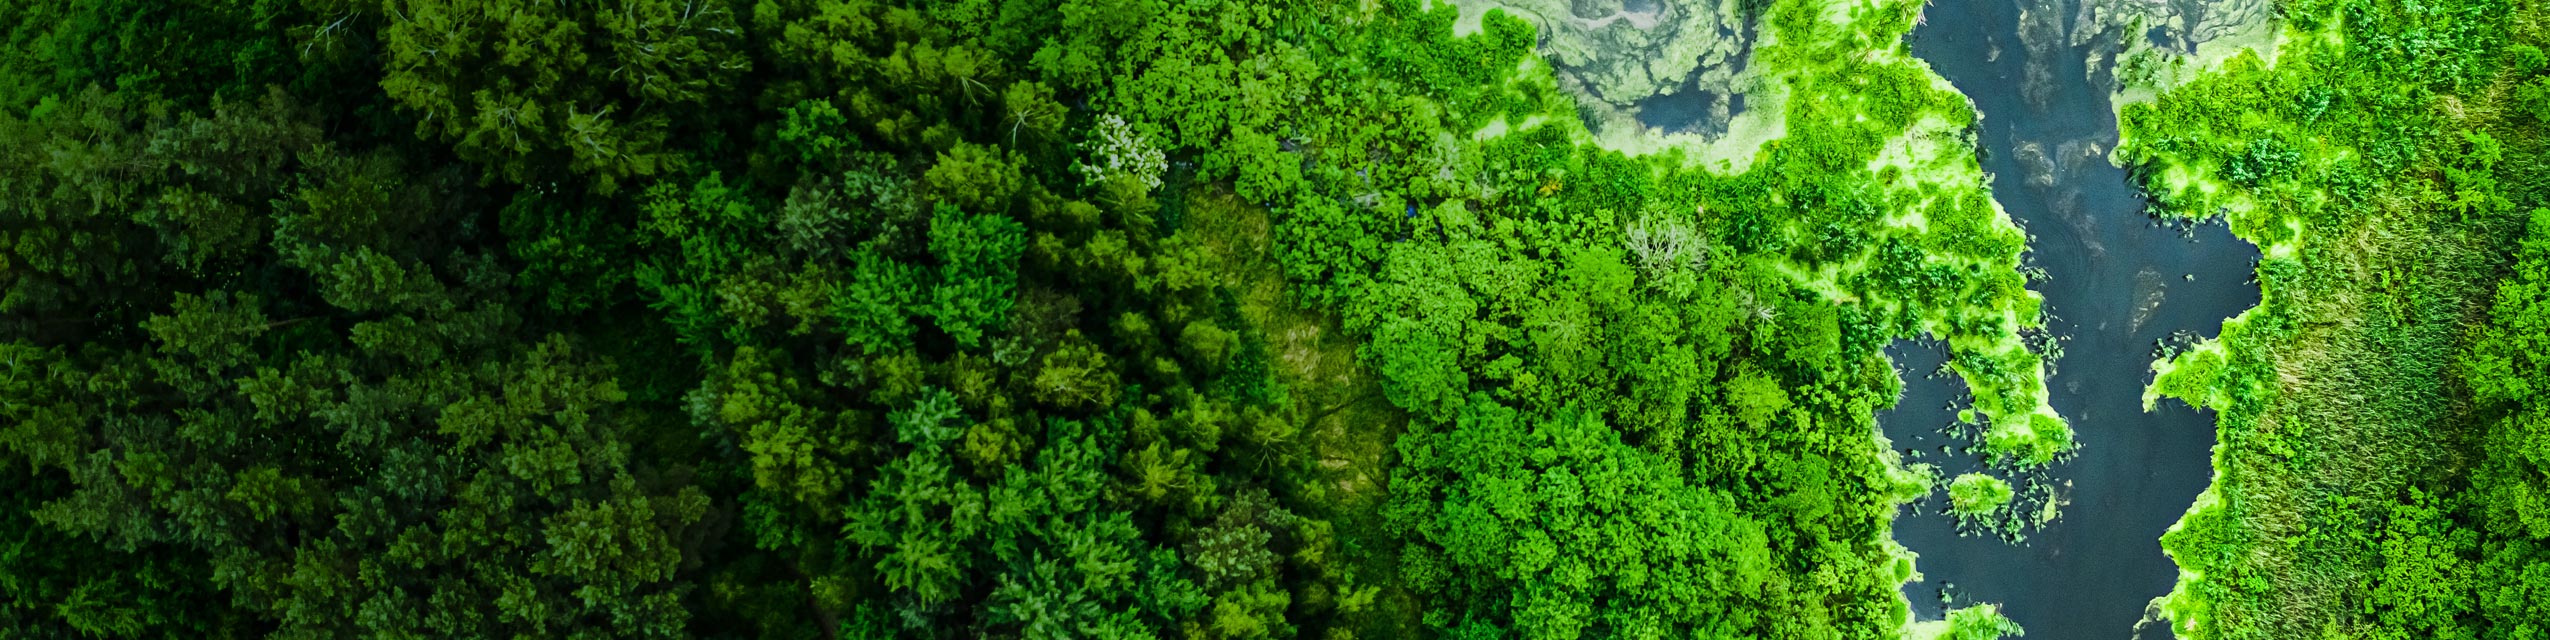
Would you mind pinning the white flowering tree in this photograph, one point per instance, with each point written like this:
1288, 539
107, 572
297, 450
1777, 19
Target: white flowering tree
1669, 251
1117, 152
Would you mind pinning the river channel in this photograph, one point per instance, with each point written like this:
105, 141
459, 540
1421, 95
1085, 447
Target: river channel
2117, 285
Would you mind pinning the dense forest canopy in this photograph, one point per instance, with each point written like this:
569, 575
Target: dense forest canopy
1184, 318
1016, 318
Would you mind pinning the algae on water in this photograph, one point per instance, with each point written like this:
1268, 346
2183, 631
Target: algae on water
1661, 66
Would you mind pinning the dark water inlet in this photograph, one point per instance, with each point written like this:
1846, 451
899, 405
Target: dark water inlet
1694, 109
2116, 285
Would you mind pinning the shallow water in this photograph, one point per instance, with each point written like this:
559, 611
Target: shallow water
1695, 109
2117, 285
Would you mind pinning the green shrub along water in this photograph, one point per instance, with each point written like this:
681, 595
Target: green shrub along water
980, 318
2380, 468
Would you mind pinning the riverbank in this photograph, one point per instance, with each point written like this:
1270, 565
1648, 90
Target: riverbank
2115, 285
1877, 208
2390, 184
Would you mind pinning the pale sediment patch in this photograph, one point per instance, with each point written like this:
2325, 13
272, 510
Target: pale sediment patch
1655, 76
2189, 46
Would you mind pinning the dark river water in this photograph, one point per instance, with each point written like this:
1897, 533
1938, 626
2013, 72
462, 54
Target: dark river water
2116, 286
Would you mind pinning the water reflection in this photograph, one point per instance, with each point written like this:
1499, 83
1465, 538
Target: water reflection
2116, 287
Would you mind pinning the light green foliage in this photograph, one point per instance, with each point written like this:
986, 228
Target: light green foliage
1976, 622
978, 272
1981, 622
1555, 524
2372, 475
876, 305
1419, 348
2423, 587
1538, 273
1975, 495
2509, 364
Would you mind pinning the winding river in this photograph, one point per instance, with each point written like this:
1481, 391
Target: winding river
2118, 284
